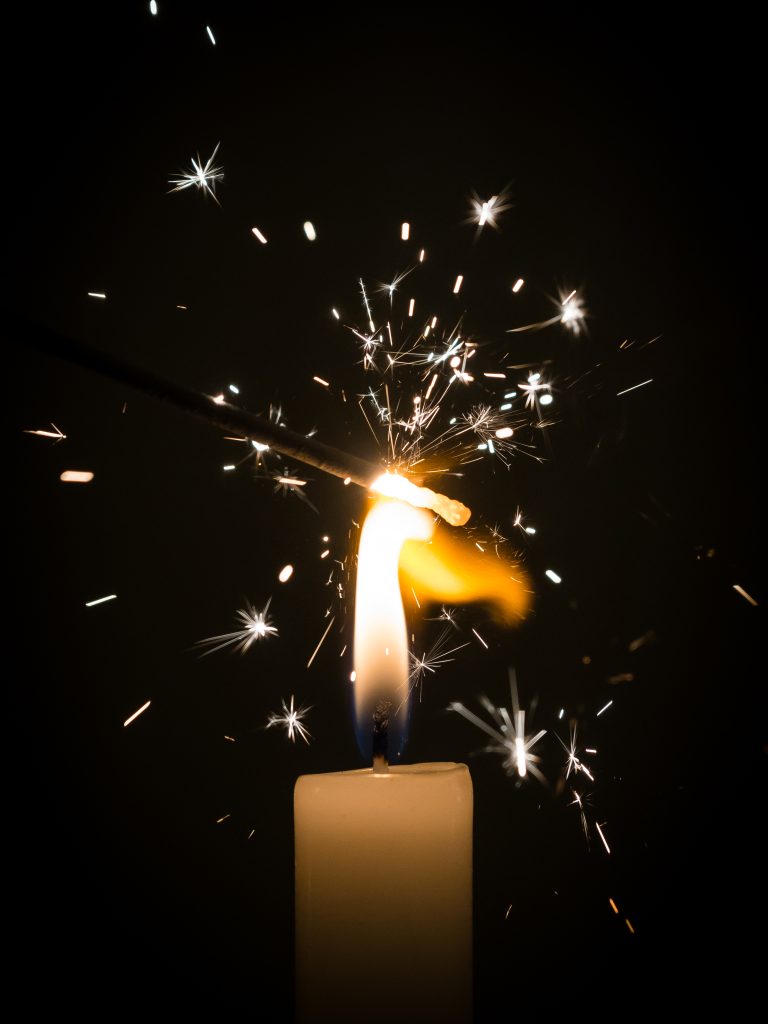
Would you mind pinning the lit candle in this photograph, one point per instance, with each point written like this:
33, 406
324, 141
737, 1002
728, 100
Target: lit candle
384, 855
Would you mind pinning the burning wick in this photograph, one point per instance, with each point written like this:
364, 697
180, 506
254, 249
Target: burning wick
380, 731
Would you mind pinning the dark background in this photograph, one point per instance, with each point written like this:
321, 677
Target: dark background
630, 149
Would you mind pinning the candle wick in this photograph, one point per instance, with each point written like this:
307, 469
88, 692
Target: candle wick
380, 734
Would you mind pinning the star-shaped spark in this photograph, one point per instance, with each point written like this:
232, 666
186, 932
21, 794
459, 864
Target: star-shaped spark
203, 177
574, 763
507, 733
573, 313
288, 483
532, 388
439, 654
290, 719
390, 289
487, 211
256, 626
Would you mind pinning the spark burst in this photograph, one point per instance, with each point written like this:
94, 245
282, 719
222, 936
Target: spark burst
290, 719
508, 733
256, 625
202, 177
439, 654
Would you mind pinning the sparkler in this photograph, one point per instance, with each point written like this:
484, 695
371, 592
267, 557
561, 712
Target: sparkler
264, 434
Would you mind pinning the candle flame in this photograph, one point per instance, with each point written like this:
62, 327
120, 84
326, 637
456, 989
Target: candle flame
381, 638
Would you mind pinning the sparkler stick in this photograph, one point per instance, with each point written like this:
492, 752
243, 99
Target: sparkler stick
231, 419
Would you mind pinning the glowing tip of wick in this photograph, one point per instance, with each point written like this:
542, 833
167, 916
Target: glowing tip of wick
392, 485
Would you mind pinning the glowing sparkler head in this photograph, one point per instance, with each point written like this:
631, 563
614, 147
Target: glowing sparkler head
392, 485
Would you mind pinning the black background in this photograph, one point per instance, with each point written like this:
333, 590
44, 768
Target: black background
629, 144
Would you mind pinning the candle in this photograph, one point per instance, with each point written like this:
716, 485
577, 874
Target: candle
384, 855
384, 895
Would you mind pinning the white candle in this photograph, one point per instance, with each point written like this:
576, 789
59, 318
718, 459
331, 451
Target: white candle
384, 895
384, 855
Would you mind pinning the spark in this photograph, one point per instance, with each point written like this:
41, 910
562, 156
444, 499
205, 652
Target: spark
600, 832
321, 381
573, 763
422, 254
322, 639
101, 600
290, 720
309, 230
234, 389
572, 312
489, 210
628, 923
613, 905
744, 594
222, 819
604, 708
55, 433
76, 476
230, 739
501, 376
411, 305
136, 714
256, 625
457, 285
97, 295
485, 645
439, 654
153, 6
405, 231
229, 468
366, 304
562, 712
391, 288
285, 573
551, 574
532, 388
507, 732
259, 235
210, 34
518, 285
219, 399
335, 313
582, 813
634, 387
202, 177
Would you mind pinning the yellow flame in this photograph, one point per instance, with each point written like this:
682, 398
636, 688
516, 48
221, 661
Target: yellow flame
452, 569
381, 639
